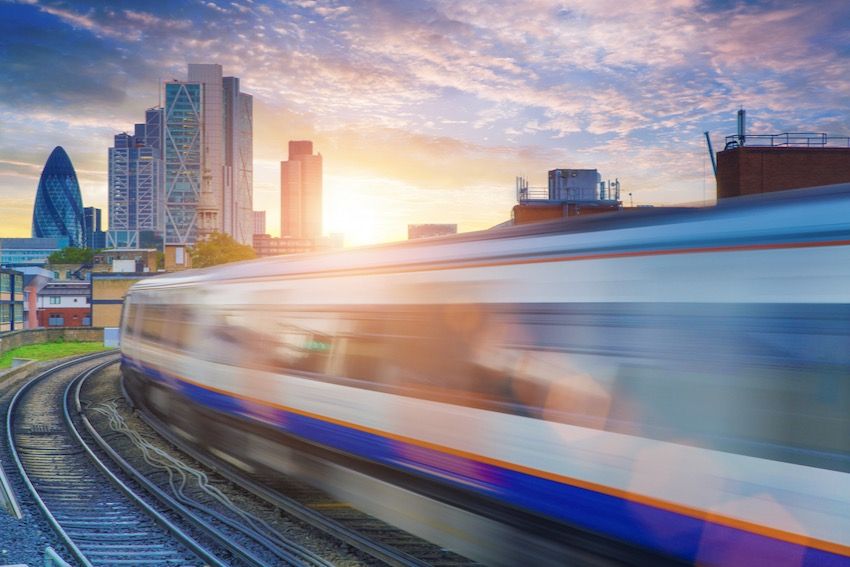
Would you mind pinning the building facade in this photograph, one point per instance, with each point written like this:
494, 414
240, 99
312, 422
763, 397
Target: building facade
11, 300
415, 231
95, 237
266, 245
259, 222
301, 192
64, 304
58, 210
187, 171
29, 251
237, 207
136, 183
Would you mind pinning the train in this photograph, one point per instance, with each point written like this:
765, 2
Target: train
635, 387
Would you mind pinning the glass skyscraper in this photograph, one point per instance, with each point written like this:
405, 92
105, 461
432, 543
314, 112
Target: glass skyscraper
58, 207
135, 184
188, 170
182, 153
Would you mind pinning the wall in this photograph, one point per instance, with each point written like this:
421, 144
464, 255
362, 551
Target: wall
750, 170
8, 341
73, 316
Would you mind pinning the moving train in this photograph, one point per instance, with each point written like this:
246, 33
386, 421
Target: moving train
632, 387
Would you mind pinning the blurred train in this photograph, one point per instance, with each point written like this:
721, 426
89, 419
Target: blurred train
633, 387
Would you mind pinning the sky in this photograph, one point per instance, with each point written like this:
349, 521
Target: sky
427, 110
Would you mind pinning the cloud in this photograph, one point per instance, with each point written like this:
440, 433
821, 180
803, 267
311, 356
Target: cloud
438, 96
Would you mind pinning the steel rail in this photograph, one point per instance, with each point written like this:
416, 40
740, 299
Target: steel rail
68, 539
306, 556
384, 553
16, 457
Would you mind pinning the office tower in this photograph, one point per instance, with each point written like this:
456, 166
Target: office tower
209, 204
95, 237
259, 222
136, 183
238, 217
58, 209
201, 141
182, 153
301, 192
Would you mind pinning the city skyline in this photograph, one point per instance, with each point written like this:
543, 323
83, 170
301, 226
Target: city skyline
421, 110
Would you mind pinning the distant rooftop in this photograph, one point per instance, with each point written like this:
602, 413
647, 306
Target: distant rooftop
33, 243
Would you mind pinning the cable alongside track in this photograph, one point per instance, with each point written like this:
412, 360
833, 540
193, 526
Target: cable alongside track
101, 523
372, 537
189, 492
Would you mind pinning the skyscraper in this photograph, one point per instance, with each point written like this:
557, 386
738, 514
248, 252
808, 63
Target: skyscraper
95, 237
301, 192
238, 162
58, 209
136, 183
202, 139
183, 154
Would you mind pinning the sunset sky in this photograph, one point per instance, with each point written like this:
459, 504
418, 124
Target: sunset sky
426, 111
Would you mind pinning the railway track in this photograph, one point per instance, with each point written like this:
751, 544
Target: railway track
100, 519
376, 539
189, 492
103, 515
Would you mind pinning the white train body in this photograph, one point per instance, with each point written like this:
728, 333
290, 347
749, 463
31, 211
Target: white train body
678, 383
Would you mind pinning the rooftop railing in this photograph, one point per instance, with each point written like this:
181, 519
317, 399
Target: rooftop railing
788, 140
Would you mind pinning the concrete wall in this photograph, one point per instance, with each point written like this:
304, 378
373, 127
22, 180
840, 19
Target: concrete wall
750, 170
15, 339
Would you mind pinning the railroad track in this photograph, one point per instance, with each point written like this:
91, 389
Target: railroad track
101, 522
384, 543
101, 514
190, 493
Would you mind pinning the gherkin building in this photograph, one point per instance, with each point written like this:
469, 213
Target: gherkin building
58, 206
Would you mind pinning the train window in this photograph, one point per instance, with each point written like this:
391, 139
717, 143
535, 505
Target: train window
129, 314
154, 323
302, 347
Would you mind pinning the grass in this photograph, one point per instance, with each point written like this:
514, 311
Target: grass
49, 351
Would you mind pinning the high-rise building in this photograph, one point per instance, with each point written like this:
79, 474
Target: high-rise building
202, 138
259, 222
95, 237
58, 209
183, 154
301, 192
210, 213
136, 183
238, 162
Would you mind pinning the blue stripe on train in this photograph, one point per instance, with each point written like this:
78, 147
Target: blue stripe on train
668, 532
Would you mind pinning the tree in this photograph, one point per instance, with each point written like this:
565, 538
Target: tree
72, 255
219, 248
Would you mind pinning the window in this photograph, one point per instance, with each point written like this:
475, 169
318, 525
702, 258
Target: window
55, 300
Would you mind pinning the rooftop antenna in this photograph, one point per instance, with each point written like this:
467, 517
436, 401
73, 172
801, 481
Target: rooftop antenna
742, 126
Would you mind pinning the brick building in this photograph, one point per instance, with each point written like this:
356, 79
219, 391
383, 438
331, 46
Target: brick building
747, 170
64, 304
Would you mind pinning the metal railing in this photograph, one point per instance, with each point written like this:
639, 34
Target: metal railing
788, 140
